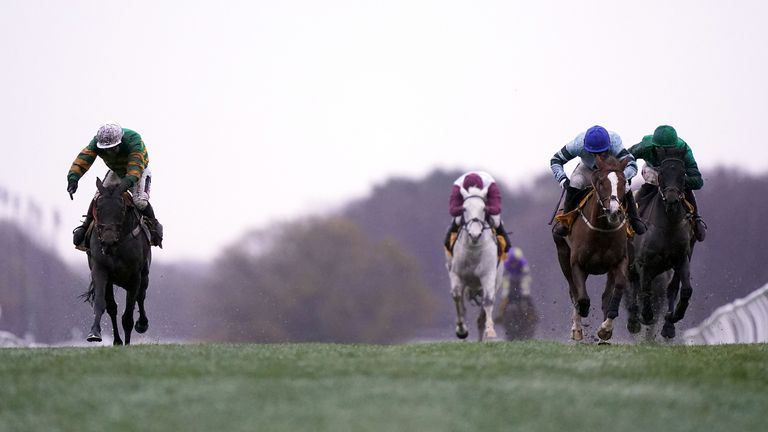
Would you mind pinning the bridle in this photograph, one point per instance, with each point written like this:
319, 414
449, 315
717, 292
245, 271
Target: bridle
117, 228
663, 189
604, 210
466, 223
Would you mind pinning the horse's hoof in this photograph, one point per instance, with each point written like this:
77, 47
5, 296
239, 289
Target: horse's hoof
577, 335
93, 338
603, 342
633, 326
141, 326
668, 331
604, 335
583, 306
490, 334
117, 342
462, 335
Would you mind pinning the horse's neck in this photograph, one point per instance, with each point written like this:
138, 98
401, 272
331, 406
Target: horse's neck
130, 220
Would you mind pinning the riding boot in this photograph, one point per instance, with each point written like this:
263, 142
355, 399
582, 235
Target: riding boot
155, 228
637, 224
699, 227
569, 205
78, 234
451, 230
500, 230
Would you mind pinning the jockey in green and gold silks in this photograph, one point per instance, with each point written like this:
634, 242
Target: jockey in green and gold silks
128, 161
666, 137
124, 153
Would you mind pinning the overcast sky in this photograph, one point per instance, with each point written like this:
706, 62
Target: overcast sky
256, 112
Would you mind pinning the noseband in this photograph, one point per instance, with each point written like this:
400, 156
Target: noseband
663, 189
607, 200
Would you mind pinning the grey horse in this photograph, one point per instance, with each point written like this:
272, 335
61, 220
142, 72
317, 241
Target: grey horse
474, 269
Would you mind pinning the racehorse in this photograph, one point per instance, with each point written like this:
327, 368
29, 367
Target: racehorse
120, 255
597, 244
474, 269
667, 245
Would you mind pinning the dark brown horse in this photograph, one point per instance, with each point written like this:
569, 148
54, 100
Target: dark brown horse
661, 265
597, 244
119, 254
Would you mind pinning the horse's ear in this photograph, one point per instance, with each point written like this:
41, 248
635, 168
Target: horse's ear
99, 185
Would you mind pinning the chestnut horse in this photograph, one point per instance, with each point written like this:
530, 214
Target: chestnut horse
597, 244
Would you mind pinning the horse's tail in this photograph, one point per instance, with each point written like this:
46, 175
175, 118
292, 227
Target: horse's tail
89, 295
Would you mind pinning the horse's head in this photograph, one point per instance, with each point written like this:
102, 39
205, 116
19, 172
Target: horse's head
474, 214
671, 177
109, 212
610, 184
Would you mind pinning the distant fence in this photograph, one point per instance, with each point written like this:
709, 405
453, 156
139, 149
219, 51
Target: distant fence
743, 321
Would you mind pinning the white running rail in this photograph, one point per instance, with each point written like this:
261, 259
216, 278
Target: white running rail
744, 320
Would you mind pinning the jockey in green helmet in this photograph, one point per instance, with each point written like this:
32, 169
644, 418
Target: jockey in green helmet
666, 137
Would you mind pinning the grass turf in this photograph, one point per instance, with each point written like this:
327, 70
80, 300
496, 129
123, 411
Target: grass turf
525, 386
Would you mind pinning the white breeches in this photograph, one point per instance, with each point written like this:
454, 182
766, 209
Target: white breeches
140, 190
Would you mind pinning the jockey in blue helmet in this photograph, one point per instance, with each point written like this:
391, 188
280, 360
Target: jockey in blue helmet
587, 145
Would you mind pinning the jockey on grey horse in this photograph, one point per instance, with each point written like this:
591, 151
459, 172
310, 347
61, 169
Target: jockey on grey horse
474, 266
587, 145
483, 181
124, 153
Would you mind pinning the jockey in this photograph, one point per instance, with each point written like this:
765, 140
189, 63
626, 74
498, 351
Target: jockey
124, 153
516, 285
666, 137
587, 145
487, 185
517, 278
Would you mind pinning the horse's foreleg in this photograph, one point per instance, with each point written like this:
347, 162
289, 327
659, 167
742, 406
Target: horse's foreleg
457, 292
577, 332
143, 323
130, 302
686, 290
630, 301
99, 305
489, 297
581, 302
112, 311
614, 290
668, 330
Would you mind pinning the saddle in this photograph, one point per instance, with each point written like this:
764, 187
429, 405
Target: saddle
501, 244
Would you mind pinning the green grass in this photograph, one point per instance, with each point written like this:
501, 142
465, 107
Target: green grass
532, 386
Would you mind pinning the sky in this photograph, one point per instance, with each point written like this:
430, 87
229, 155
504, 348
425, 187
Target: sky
259, 112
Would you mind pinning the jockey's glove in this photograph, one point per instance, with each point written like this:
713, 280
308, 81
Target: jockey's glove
72, 186
125, 184
565, 183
